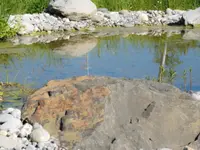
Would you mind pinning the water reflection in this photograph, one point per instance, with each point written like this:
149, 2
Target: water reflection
163, 57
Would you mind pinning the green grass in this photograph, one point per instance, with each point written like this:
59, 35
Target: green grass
8, 7
35, 6
147, 4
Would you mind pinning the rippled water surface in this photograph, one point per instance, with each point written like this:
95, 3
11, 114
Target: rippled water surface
172, 58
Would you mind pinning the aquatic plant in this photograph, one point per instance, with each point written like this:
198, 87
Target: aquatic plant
190, 71
161, 73
14, 93
151, 78
1, 93
172, 75
184, 77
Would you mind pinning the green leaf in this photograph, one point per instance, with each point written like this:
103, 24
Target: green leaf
1, 93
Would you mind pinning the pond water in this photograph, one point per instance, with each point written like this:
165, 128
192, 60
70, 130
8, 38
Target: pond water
174, 59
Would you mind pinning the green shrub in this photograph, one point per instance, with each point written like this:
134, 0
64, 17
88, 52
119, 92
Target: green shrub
5, 30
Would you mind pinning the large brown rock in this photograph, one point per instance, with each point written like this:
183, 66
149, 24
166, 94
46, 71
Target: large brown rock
101, 113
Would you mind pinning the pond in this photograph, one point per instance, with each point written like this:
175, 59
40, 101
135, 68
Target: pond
165, 57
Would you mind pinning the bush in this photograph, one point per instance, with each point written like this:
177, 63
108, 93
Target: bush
5, 30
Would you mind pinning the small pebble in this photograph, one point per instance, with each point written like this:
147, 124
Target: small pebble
3, 132
16, 113
26, 130
30, 147
22, 135
36, 126
40, 135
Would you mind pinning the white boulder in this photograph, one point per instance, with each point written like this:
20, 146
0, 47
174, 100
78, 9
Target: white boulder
40, 135
69, 7
192, 17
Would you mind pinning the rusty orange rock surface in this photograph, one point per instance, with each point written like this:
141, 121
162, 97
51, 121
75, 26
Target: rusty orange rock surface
81, 109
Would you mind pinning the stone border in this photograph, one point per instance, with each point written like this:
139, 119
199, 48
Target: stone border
44, 22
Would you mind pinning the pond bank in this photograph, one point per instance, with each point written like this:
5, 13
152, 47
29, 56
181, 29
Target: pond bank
102, 18
188, 34
45, 22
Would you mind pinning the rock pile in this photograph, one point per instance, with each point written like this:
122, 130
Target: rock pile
30, 23
15, 134
77, 14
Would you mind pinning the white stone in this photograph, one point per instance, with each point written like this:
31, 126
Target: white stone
3, 132
143, 17
41, 144
42, 17
51, 19
68, 7
169, 11
66, 20
114, 16
40, 135
16, 113
13, 131
26, 130
8, 110
26, 17
47, 26
196, 95
30, 147
9, 143
192, 17
13, 136
9, 122
124, 12
5, 117
26, 28
36, 125
36, 29
97, 18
